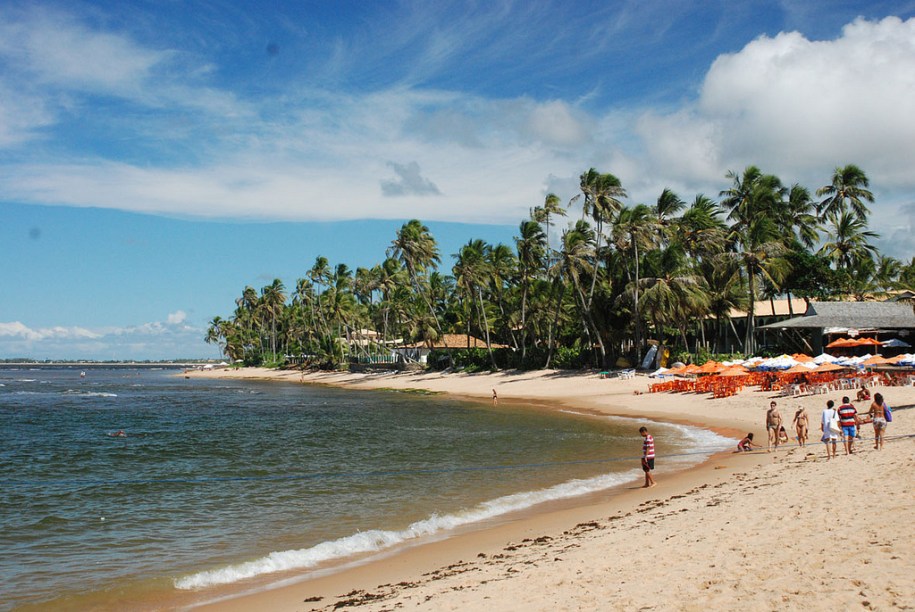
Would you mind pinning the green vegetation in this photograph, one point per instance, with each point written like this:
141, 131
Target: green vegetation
588, 294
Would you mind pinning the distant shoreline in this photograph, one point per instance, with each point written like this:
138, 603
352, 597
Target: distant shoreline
103, 364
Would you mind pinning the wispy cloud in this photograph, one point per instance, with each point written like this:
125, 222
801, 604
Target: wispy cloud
194, 147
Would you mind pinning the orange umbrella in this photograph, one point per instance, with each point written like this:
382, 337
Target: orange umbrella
692, 369
736, 370
829, 367
802, 357
677, 371
869, 342
710, 367
841, 342
798, 369
875, 360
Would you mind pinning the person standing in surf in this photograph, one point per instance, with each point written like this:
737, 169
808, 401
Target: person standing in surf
647, 457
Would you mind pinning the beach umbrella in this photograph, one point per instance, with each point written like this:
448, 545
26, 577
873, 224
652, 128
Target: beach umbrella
898, 358
679, 370
824, 358
841, 342
710, 367
782, 362
802, 358
828, 367
896, 343
875, 360
659, 372
735, 370
798, 369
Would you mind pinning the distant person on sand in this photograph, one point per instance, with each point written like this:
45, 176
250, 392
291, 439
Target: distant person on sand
848, 419
801, 425
647, 457
495, 397
747, 444
863, 394
829, 436
878, 418
773, 422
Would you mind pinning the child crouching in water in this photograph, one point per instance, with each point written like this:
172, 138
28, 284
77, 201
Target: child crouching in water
747, 444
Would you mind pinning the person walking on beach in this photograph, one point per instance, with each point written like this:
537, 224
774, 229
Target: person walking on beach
830, 435
647, 457
800, 425
848, 420
495, 397
773, 422
878, 418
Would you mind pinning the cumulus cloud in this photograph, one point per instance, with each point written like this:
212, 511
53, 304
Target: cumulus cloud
409, 182
801, 107
177, 318
17, 329
172, 339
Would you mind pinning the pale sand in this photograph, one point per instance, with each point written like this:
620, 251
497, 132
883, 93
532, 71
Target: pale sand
786, 530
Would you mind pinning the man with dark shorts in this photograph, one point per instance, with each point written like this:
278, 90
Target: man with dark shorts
647, 457
848, 420
773, 423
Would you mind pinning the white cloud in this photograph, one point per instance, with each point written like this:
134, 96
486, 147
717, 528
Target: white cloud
177, 318
799, 107
61, 51
793, 106
17, 329
154, 340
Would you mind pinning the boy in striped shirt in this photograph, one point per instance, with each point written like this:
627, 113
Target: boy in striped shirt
647, 457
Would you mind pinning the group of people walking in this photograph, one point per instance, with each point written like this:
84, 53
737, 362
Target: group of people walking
843, 422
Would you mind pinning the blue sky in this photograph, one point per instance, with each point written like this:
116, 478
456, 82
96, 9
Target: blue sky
156, 157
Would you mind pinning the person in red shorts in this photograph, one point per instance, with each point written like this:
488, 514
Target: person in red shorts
647, 457
848, 420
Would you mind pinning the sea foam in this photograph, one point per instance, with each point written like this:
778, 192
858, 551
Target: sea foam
377, 540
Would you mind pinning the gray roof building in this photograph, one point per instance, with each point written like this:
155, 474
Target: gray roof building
823, 318
852, 315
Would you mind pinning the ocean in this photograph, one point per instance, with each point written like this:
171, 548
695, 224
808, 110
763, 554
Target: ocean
216, 482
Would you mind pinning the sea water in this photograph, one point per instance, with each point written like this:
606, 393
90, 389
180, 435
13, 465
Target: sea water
216, 482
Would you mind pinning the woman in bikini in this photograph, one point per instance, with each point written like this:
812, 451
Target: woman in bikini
878, 418
800, 425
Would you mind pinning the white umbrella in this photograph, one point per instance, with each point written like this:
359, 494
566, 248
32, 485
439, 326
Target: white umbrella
896, 343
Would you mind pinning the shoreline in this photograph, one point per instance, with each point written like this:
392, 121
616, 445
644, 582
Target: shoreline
401, 575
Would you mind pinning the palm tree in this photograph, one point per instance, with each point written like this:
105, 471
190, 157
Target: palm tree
797, 216
700, 229
603, 193
636, 229
415, 247
848, 189
850, 240
531, 246
574, 259
754, 200
552, 205
676, 295
471, 272
274, 298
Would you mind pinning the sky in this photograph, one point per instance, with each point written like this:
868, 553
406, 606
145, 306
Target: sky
158, 156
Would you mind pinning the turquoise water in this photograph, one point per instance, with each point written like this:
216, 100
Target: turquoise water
219, 482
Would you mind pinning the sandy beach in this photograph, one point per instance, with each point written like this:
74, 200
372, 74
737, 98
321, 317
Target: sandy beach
781, 530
